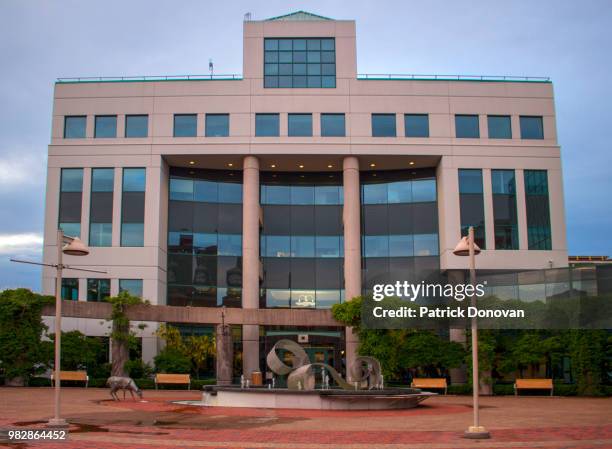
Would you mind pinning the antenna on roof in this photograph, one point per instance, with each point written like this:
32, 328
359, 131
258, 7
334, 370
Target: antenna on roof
247, 17
210, 66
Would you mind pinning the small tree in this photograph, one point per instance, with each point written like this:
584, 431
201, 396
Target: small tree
200, 348
122, 335
78, 350
195, 348
22, 353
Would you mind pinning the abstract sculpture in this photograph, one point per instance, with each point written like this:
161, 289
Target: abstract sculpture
366, 371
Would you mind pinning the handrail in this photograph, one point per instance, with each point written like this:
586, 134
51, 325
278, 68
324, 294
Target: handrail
101, 79
403, 76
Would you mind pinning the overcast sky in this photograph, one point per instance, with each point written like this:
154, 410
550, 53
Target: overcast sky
569, 41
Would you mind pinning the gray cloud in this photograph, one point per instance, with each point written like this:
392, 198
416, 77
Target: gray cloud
566, 40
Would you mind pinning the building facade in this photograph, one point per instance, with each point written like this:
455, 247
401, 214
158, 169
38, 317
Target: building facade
297, 185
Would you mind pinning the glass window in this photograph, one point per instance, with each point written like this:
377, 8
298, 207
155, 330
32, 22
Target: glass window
102, 179
538, 209
75, 127
230, 192
206, 191
302, 195
466, 126
328, 195
328, 246
136, 125
134, 179
471, 203
185, 125
272, 194
98, 289
401, 246
376, 245
374, 193
278, 298
327, 298
303, 299
286, 61
425, 244
217, 125
132, 286
267, 125
70, 289
531, 127
300, 125
277, 246
181, 189
504, 209
499, 127
132, 234
100, 234
302, 246
72, 180
230, 245
333, 125
400, 192
105, 126
71, 229
383, 125
205, 243
416, 125
424, 190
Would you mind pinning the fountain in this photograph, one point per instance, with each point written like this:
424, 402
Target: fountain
367, 392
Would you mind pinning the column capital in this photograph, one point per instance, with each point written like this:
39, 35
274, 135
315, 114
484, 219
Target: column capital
350, 163
250, 163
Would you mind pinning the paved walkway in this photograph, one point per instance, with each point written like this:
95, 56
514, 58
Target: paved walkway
97, 422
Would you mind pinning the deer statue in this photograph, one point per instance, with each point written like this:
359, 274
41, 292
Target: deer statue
123, 383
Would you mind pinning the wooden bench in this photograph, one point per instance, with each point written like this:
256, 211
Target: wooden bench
79, 376
176, 379
533, 384
427, 382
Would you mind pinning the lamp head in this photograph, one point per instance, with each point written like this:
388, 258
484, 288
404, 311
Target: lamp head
76, 248
463, 247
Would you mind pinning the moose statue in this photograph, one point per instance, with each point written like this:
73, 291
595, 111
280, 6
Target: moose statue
117, 383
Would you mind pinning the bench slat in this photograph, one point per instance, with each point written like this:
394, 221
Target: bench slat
533, 384
430, 383
182, 379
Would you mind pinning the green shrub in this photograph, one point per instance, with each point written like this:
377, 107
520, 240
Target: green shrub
171, 360
137, 369
460, 389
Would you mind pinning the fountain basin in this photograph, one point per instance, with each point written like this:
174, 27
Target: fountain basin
332, 399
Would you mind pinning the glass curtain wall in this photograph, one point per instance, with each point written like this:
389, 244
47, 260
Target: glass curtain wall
205, 238
399, 219
302, 239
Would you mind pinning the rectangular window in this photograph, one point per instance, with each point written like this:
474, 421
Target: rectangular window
105, 126
332, 125
538, 209
267, 125
136, 125
98, 289
299, 63
132, 207
217, 125
300, 125
531, 127
416, 125
75, 127
504, 209
101, 207
70, 289
132, 286
71, 197
383, 125
499, 127
185, 125
471, 201
466, 126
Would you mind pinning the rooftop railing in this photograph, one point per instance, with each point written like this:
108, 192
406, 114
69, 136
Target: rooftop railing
402, 76
361, 76
110, 79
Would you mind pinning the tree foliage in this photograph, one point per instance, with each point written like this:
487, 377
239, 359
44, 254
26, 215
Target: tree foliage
78, 350
196, 349
21, 330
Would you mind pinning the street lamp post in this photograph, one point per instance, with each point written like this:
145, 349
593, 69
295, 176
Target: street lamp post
74, 247
467, 247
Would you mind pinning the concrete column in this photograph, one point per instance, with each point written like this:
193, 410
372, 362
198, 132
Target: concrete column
458, 335
351, 217
225, 354
521, 209
250, 262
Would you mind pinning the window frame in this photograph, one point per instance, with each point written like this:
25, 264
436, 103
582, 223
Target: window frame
295, 115
407, 116
226, 132
67, 118
499, 116
103, 116
477, 116
376, 115
258, 132
125, 131
195, 134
